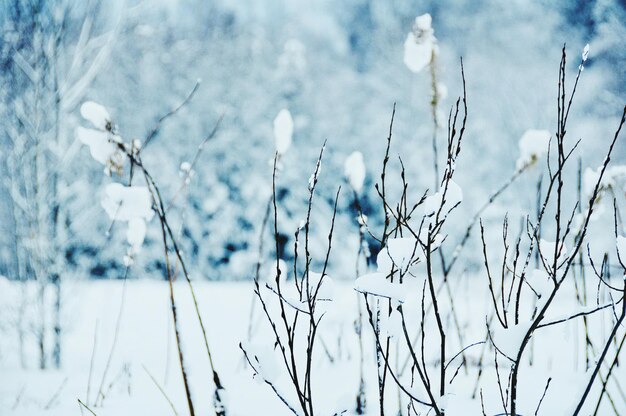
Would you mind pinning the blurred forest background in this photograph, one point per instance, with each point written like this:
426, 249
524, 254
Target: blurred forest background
337, 66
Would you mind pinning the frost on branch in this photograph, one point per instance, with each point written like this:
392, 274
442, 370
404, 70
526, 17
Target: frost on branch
354, 170
585, 54
316, 173
533, 145
96, 114
420, 44
283, 130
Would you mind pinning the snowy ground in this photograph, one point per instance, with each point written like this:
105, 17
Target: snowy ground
146, 347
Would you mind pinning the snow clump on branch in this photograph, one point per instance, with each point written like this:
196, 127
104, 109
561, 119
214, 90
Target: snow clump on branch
283, 131
533, 145
420, 45
354, 170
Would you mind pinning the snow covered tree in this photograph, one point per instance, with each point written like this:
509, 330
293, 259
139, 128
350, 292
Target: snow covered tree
48, 59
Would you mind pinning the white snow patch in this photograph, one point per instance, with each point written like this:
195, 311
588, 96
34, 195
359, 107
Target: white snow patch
100, 147
532, 145
590, 178
323, 285
509, 340
282, 267
614, 176
398, 254
354, 170
539, 280
392, 324
283, 131
123, 203
376, 284
453, 196
548, 249
542, 285
315, 175
420, 44
185, 167
264, 360
442, 91
136, 233
96, 114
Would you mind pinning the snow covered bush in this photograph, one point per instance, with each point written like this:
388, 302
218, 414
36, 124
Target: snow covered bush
136, 205
439, 302
410, 298
283, 307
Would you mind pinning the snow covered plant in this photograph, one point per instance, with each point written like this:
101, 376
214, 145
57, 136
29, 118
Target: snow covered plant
136, 205
354, 172
294, 310
410, 245
130, 204
102, 139
518, 283
421, 50
410, 302
420, 46
283, 131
